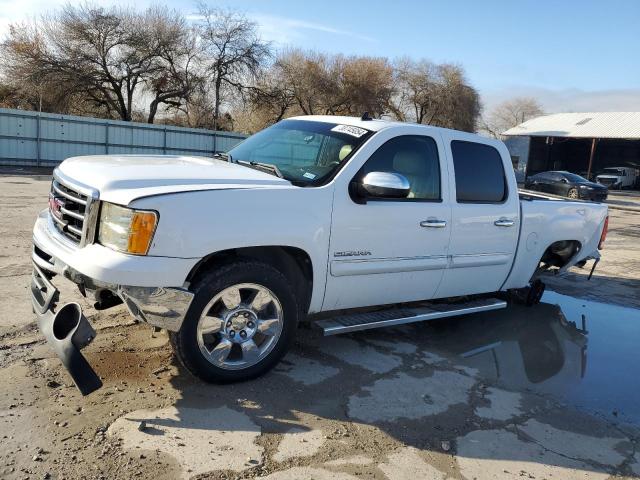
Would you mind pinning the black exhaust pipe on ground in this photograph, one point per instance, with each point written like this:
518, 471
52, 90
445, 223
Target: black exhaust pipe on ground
69, 331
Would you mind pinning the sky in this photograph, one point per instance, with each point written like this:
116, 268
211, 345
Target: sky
572, 55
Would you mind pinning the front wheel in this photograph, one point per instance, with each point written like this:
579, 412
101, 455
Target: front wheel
573, 193
240, 323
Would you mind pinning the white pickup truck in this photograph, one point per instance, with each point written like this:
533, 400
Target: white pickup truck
314, 214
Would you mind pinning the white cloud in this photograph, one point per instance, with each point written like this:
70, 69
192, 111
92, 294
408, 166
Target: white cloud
285, 31
16, 11
569, 100
12, 11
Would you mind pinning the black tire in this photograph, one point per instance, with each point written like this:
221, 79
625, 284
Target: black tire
529, 295
185, 341
575, 193
536, 290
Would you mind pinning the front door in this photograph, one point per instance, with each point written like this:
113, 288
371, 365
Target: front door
485, 217
391, 250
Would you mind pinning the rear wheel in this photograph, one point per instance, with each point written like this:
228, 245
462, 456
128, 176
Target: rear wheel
529, 295
573, 193
241, 322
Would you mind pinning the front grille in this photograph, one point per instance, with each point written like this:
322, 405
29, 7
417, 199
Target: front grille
607, 181
69, 209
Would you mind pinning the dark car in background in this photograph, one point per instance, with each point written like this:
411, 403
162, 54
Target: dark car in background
567, 184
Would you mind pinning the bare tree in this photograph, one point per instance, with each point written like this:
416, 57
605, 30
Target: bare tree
511, 113
459, 103
434, 95
415, 96
35, 93
311, 79
176, 75
273, 96
311, 83
366, 85
234, 53
216, 73
106, 58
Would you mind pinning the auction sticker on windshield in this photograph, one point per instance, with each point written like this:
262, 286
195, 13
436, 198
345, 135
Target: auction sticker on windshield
349, 130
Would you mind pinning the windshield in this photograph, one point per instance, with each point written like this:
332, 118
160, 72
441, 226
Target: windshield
572, 177
613, 171
305, 152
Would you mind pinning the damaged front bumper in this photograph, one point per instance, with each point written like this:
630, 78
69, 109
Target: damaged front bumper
68, 331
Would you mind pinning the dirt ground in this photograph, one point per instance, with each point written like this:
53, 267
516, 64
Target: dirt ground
628, 198
543, 392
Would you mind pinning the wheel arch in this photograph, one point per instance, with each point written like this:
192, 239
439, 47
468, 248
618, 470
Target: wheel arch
560, 253
293, 262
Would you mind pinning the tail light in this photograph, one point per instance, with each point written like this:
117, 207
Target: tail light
604, 233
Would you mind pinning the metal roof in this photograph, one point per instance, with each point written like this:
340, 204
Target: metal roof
581, 125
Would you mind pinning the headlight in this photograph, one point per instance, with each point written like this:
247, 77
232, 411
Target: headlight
126, 230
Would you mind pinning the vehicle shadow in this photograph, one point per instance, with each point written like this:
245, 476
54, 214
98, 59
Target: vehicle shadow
429, 386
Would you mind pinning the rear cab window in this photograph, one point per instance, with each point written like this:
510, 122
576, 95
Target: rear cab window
479, 173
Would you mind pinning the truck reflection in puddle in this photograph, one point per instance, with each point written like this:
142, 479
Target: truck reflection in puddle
581, 352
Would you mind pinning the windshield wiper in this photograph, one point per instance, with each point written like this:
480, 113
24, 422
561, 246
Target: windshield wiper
224, 156
265, 167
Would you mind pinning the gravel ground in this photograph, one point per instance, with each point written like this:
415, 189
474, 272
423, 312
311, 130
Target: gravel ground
413, 402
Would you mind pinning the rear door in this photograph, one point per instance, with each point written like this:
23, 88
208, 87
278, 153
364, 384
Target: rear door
485, 216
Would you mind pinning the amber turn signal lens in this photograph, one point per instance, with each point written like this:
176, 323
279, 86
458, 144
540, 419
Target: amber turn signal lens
143, 226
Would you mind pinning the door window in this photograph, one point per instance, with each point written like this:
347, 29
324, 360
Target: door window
413, 156
479, 173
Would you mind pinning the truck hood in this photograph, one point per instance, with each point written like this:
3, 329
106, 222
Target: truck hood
610, 177
124, 178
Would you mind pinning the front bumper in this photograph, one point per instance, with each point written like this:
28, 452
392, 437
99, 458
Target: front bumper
594, 195
145, 284
162, 307
65, 328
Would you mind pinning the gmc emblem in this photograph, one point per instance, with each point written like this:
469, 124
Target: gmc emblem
55, 204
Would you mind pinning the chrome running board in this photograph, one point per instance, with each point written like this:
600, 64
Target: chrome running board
399, 316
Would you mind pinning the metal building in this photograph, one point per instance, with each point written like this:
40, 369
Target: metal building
582, 143
45, 139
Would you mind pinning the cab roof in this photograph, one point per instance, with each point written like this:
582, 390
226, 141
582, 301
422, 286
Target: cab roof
374, 125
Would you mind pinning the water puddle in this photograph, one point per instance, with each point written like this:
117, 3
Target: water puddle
583, 353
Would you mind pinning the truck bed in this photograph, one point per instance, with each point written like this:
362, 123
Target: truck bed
544, 221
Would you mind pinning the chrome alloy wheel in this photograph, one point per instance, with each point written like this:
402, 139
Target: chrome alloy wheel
240, 326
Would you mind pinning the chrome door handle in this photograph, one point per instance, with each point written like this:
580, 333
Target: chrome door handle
504, 222
432, 223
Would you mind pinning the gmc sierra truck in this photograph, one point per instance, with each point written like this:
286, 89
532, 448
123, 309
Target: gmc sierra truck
371, 223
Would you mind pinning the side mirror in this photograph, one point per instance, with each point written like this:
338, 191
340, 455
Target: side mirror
564, 180
385, 185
